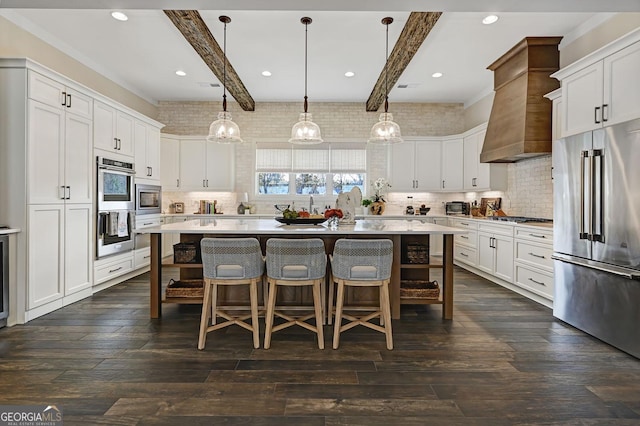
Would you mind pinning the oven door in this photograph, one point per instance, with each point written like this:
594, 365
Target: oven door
114, 232
115, 190
148, 199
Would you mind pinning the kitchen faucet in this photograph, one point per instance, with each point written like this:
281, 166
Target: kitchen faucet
310, 203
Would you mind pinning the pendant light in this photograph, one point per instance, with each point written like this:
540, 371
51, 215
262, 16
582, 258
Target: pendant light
386, 131
305, 131
224, 130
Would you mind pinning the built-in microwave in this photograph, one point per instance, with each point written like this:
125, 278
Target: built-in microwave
148, 199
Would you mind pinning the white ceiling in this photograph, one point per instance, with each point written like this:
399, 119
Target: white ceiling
143, 53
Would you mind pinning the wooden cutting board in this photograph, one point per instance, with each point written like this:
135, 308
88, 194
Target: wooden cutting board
485, 201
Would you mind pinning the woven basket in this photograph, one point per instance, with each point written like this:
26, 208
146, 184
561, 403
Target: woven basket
185, 253
416, 289
185, 288
417, 253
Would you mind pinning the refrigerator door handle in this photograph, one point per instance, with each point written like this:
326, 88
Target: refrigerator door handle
583, 235
631, 274
597, 195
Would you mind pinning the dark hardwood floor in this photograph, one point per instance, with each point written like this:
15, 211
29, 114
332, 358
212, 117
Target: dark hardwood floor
503, 360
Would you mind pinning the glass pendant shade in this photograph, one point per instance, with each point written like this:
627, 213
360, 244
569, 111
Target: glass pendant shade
223, 130
305, 131
386, 131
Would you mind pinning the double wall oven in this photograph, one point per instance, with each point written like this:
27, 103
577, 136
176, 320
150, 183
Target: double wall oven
116, 206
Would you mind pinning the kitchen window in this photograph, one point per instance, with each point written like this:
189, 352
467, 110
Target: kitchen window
325, 169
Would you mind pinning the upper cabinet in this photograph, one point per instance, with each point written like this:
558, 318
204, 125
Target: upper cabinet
170, 163
452, 155
481, 176
55, 94
146, 140
600, 89
416, 165
112, 129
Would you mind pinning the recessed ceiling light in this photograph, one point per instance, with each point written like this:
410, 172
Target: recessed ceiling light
120, 16
181, 73
436, 75
266, 73
489, 19
349, 74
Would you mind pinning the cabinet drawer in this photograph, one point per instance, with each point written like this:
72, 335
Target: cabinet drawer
111, 270
537, 234
496, 229
537, 255
469, 239
142, 257
465, 255
463, 223
536, 282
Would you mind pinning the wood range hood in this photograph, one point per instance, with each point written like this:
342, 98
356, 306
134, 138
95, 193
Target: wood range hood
520, 122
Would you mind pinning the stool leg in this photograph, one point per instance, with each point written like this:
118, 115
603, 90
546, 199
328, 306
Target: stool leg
204, 318
271, 305
253, 295
381, 298
214, 303
330, 303
338, 319
317, 305
386, 313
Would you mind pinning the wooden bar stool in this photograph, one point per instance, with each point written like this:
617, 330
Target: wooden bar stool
361, 263
295, 262
230, 262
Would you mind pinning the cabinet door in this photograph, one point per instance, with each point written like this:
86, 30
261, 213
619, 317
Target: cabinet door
153, 152
78, 164
470, 162
220, 166
46, 154
402, 167
452, 160
78, 253
78, 103
104, 119
503, 265
45, 90
582, 98
484, 180
428, 166
486, 252
170, 160
124, 132
140, 150
45, 252
193, 160
621, 88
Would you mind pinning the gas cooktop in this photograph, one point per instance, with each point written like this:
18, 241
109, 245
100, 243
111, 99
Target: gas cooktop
519, 219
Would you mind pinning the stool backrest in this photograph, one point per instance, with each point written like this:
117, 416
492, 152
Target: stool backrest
289, 258
362, 259
231, 258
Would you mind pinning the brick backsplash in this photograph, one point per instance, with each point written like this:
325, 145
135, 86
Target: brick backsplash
529, 181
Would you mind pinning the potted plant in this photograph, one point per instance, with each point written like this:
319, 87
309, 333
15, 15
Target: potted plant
366, 202
380, 187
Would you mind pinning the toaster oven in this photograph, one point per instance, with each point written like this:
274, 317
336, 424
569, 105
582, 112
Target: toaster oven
458, 208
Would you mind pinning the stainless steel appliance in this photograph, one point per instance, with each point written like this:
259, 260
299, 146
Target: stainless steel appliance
4, 279
596, 234
116, 204
457, 207
148, 199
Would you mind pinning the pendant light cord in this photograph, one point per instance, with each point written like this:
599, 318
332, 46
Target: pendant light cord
225, 20
305, 21
386, 64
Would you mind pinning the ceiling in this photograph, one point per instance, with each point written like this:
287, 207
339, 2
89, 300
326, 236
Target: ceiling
143, 53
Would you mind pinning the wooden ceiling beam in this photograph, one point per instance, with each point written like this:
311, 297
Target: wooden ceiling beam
196, 32
413, 34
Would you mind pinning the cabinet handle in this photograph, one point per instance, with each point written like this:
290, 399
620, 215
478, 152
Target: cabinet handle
148, 171
473, 182
119, 144
207, 183
151, 223
537, 236
146, 257
417, 183
443, 184
595, 115
464, 224
64, 99
203, 184
177, 183
539, 256
464, 236
68, 192
463, 254
537, 282
69, 99
114, 270
604, 112
62, 194
115, 143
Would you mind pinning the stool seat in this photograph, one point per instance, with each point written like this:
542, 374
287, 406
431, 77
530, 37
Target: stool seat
230, 262
361, 263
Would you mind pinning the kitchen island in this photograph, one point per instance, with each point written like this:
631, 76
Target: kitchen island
401, 232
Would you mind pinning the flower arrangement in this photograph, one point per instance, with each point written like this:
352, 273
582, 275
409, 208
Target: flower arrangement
380, 187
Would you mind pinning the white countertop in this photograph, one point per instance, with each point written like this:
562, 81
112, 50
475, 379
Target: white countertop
367, 226
9, 231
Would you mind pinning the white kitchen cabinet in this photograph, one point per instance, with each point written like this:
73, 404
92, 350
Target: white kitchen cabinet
481, 176
59, 252
56, 94
533, 263
146, 140
206, 166
416, 166
495, 251
452, 161
170, 163
465, 245
112, 129
436, 243
600, 90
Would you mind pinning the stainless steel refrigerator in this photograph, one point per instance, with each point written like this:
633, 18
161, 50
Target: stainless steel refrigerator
596, 233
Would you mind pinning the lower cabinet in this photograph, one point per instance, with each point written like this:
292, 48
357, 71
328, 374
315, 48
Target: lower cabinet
465, 245
112, 267
495, 251
60, 252
533, 263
